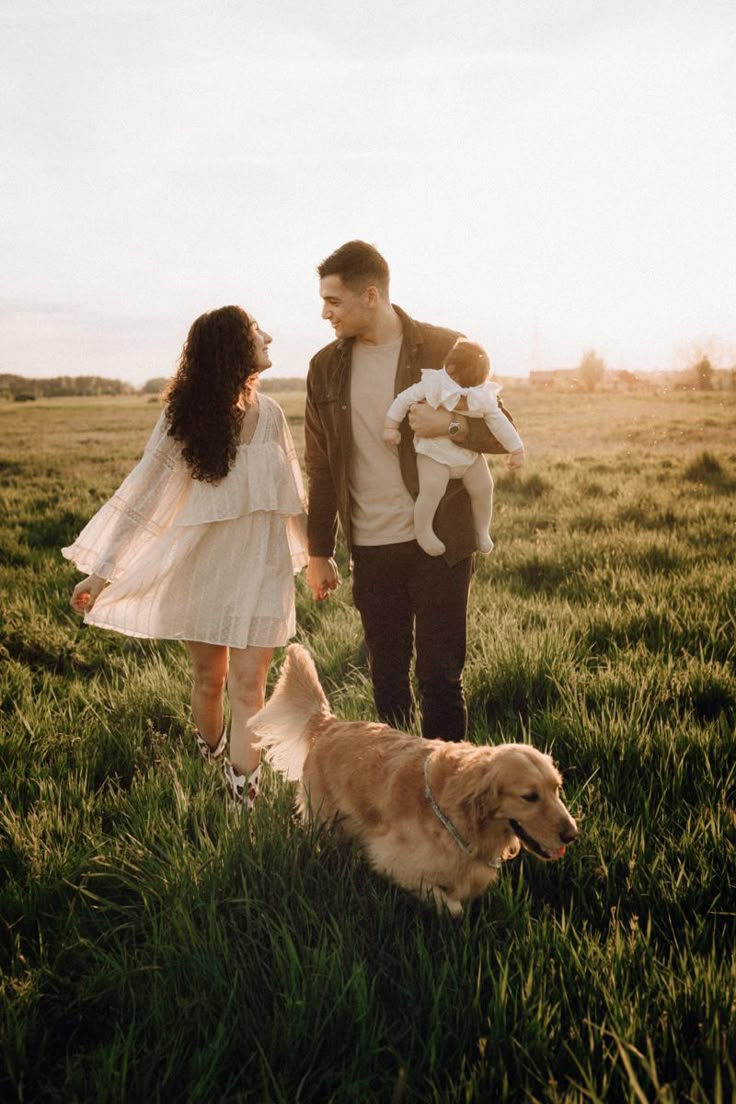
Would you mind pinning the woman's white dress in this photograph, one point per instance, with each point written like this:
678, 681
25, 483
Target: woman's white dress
189, 560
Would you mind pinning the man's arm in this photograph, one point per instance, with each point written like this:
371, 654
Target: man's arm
322, 572
474, 434
322, 511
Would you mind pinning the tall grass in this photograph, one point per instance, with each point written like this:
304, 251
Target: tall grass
156, 945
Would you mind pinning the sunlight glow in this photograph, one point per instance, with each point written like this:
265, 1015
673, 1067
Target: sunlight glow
546, 185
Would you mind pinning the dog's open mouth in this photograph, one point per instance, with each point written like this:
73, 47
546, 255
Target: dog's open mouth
532, 845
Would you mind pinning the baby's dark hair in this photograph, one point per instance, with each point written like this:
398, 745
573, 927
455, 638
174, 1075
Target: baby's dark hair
467, 362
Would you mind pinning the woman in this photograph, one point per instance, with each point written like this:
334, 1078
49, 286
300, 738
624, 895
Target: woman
201, 541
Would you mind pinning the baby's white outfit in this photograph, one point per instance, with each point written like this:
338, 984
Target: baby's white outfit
439, 389
207, 562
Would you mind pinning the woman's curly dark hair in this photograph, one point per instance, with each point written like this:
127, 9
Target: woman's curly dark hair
202, 409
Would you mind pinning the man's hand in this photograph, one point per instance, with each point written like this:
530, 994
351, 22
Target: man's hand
86, 593
515, 459
427, 422
322, 577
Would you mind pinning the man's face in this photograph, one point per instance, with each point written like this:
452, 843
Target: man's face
348, 312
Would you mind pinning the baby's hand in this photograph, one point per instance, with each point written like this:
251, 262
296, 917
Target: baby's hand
391, 436
515, 459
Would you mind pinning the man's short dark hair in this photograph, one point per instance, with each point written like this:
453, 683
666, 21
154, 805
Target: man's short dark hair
359, 265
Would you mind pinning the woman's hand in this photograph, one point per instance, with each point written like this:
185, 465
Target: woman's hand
322, 577
86, 593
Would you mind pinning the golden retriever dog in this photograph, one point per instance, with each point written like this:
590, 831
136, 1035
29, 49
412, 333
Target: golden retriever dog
437, 818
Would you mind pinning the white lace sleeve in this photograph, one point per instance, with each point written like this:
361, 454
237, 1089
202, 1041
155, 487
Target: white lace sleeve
296, 524
142, 508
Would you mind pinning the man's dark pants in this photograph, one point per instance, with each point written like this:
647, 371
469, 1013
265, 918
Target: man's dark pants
400, 591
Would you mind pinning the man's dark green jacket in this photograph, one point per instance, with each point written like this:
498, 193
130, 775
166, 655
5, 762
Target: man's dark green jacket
328, 440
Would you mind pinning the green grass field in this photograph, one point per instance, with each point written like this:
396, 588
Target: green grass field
155, 946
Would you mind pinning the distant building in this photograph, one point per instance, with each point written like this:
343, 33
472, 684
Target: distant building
623, 380
566, 379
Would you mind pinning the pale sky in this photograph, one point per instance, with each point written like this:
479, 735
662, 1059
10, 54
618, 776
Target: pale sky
548, 176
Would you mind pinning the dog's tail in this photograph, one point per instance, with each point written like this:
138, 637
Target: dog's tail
284, 722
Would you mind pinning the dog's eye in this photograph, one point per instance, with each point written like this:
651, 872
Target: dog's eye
530, 797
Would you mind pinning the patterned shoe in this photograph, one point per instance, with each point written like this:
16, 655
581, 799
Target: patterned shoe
210, 754
242, 789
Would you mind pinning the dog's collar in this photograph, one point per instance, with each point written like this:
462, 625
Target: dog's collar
495, 864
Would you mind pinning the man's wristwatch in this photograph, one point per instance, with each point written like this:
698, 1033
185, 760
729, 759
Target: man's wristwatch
453, 428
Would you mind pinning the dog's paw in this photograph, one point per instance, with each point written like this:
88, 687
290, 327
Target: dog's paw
443, 903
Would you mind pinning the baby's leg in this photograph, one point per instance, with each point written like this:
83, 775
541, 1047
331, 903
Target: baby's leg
433, 480
479, 485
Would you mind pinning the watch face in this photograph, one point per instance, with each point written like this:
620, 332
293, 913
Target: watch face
453, 429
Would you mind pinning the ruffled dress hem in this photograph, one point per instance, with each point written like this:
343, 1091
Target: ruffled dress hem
188, 560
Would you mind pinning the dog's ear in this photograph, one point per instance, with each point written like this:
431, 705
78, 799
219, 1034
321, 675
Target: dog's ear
486, 803
481, 800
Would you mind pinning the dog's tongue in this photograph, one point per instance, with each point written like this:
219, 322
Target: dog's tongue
558, 853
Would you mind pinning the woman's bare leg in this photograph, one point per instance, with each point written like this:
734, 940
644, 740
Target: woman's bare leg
209, 664
246, 686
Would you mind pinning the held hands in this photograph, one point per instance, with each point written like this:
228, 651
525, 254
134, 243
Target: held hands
86, 593
322, 577
515, 459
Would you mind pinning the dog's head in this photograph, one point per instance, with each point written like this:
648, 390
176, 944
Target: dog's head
516, 788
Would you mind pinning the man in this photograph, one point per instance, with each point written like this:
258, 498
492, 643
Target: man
400, 592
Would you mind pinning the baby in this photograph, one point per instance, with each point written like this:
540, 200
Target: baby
461, 385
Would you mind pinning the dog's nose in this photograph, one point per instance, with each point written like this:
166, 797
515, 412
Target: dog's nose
569, 832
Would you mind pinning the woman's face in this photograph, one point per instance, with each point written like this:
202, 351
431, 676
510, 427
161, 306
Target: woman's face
261, 341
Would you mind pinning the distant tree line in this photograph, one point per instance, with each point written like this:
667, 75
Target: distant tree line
267, 383
592, 374
285, 383
22, 389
